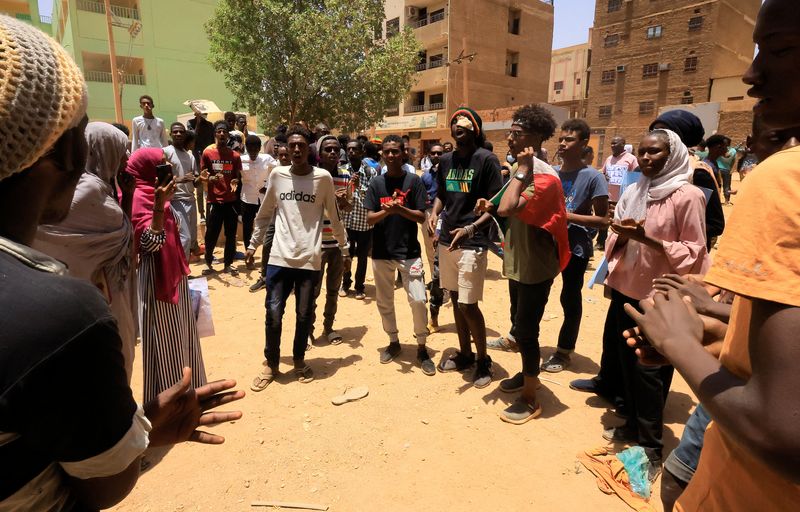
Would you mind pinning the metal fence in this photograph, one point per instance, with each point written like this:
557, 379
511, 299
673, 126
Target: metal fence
105, 77
117, 10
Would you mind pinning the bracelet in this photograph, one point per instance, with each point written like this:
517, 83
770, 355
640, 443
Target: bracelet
470, 229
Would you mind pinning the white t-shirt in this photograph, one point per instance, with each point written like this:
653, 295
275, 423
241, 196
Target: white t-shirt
148, 133
298, 204
254, 176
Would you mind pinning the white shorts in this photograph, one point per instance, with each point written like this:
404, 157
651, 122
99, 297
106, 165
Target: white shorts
463, 271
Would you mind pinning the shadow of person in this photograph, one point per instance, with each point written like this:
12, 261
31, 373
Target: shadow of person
350, 336
323, 367
678, 408
551, 405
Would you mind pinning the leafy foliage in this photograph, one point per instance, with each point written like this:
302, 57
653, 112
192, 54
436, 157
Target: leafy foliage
311, 60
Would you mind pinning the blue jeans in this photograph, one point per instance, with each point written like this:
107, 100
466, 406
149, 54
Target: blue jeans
683, 460
280, 283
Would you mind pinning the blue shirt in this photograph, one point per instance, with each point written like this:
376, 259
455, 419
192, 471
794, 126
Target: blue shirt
431, 185
580, 188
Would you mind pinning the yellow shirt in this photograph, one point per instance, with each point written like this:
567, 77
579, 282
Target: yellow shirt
758, 258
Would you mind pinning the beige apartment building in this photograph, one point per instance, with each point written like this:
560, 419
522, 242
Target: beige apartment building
648, 55
569, 78
482, 53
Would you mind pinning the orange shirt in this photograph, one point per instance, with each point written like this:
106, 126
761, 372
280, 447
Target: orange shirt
758, 258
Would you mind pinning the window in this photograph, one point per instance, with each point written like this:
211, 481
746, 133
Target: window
436, 101
687, 98
604, 112
614, 5
514, 17
611, 40
690, 64
578, 81
696, 23
654, 32
558, 86
647, 107
437, 15
608, 77
392, 27
649, 70
512, 63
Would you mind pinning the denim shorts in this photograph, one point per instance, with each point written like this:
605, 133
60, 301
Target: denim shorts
683, 460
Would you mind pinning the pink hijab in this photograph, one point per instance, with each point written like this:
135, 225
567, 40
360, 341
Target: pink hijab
171, 264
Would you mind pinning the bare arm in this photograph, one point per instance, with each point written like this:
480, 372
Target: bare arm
600, 219
760, 413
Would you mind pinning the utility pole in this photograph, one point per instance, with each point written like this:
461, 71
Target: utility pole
112, 52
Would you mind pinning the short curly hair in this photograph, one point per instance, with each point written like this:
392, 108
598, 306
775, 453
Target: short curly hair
577, 125
300, 130
536, 119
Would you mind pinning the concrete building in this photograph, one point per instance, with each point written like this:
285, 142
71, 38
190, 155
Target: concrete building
483, 53
161, 49
569, 78
26, 10
648, 54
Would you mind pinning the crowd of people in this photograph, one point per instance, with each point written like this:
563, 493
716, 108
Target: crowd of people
98, 228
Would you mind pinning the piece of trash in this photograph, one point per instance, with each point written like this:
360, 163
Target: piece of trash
636, 465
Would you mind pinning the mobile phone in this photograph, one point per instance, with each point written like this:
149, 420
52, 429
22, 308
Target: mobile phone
163, 174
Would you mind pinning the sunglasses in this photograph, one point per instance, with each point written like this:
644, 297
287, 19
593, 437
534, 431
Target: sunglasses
435, 153
330, 149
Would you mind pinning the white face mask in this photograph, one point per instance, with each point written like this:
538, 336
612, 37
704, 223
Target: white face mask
510, 158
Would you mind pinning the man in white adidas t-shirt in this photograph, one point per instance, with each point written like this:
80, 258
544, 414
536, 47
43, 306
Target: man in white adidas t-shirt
299, 197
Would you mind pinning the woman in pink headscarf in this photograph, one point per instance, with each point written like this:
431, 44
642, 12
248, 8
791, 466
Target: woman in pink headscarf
169, 331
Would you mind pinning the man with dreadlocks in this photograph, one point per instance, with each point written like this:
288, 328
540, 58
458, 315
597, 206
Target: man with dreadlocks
467, 174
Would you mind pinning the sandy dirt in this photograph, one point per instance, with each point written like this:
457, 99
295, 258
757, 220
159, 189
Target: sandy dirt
415, 443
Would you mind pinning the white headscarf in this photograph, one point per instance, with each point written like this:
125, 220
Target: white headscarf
676, 173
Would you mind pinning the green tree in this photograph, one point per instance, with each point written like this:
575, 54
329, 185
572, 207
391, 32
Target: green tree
311, 60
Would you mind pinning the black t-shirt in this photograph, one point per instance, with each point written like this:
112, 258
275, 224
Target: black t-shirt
395, 237
461, 183
63, 387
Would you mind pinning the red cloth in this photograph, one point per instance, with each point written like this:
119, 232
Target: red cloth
546, 209
172, 265
227, 163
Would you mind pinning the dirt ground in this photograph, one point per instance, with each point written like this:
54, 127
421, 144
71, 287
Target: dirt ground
415, 443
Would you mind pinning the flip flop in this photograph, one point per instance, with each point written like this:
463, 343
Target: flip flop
304, 375
503, 344
351, 395
262, 380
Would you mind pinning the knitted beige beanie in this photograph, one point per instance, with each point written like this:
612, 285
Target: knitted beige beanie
42, 95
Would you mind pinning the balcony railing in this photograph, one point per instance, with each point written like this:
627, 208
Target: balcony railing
117, 10
416, 108
436, 106
437, 63
46, 19
105, 77
429, 20
422, 66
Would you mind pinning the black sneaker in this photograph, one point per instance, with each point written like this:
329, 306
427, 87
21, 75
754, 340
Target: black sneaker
512, 384
390, 352
483, 373
458, 362
425, 361
260, 284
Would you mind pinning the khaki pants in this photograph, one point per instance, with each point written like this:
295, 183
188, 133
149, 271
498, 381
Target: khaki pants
413, 283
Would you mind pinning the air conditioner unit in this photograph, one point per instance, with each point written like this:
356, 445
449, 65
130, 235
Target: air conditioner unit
620, 69
663, 67
412, 12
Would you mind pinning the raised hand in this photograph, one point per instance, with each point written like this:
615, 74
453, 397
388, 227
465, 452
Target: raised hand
483, 205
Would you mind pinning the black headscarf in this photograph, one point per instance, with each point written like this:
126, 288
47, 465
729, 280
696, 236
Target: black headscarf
685, 124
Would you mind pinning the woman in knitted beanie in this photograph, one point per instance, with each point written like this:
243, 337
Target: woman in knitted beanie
71, 435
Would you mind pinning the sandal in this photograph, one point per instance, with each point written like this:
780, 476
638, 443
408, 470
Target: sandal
304, 375
556, 363
458, 362
503, 344
263, 379
350, 395
334, 338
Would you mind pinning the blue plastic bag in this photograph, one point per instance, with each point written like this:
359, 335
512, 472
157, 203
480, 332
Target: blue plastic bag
636, 465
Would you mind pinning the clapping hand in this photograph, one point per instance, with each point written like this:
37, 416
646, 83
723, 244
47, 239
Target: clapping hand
177, 412
629, 229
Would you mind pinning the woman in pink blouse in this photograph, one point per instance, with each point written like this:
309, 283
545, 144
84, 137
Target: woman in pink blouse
658, 228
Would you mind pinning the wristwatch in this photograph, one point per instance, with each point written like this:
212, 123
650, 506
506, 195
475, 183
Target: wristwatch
521, 176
